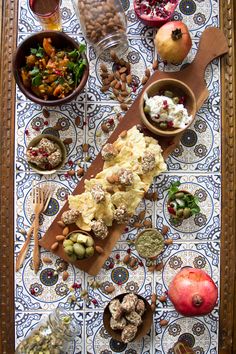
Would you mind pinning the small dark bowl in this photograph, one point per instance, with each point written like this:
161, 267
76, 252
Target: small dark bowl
143, 329
60, 40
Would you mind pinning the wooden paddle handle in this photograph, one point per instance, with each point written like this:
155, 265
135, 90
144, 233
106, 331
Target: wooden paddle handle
212, 45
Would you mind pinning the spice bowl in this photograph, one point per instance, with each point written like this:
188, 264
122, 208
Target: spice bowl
53, 139
60, 41
177, 105
149, 243
143, 329
78, 245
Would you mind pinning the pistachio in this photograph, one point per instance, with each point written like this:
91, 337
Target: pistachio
179, 195
180, 213
168, 93
187, 213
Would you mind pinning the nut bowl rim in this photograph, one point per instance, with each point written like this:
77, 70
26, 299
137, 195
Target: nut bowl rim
56, 140
21, 50
140, 234
159, 83
143, 329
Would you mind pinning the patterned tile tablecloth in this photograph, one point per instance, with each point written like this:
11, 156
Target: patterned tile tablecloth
196, 163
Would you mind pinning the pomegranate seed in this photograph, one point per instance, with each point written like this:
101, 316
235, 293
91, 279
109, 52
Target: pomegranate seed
141, 264
76, 286
70, 163
34, 153
84, 123
171, 210
50, 274
111, 121
66, 196
111, 265
119, 283
32, 291
94, 301
46, 122
117, 256
37, 129
128, 250
165, 103
126, 229
26, 132
67, 175
134, 89
170, 124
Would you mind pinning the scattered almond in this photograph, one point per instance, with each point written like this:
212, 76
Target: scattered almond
65, 231
147, 223
141, 215
153, 307
120, 98
154, 196
151, 268
168, 242
54, 246
123, 86
123, 77
129, 79
103, 67
115, 178
80, 172
124, 94
61, 223
109, 289
155, 64
46, 113
115, 91
137, 224
71, 172
113, 83
85, 147
147, 73
77, 121
65, 275
123, 70
126, 258
106, 82
159, 266
133, 262
123, 134
60, 238
67, 141
104, 128
47, 260
117, 75
144, 80
104, 88
162, 298
111, 77
163, 322
154, 298
148, 195
99, 249
124, 107
164, 229
57, 127
117, 85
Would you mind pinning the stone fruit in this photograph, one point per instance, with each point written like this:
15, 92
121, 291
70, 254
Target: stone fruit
155, 12
193, 292
173, 42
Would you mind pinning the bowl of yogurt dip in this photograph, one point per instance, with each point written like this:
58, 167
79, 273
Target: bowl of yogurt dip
167, 107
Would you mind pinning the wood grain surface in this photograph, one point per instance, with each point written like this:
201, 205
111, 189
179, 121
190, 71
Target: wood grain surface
193, 76
227, 339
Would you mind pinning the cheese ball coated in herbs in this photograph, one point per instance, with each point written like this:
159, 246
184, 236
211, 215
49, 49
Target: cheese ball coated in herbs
140, 307
129, 302
118, 324
55, 158
148, 161
125, 177
98, 193
115, 309
129, 333
99, 228
134, 318
121, 214
109, 152
70, 216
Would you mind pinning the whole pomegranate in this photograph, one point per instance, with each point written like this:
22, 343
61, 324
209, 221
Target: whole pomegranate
155, 12
193, 292
173, 42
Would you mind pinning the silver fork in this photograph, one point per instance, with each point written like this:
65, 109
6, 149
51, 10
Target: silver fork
48, 191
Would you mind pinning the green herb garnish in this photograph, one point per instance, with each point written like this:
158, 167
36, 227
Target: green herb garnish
39, 53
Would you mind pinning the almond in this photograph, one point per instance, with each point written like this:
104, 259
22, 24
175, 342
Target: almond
120, 99
154, 196
151, 268
115, 91
110, 179
123, 134
153, 307
105, 88
60, 238
148, 195
47, 260
115, 178
65, 231
124, 94
106, 82
163, 322
155, 64
99, 249
57, 127
104, 128
154, 298
129, 79
137, 224
159, 266
109, 289
123, 70
113, 83
147, 223
123, 86
162, 298
123, 77
77, 121
117, 85
103, 67
61, 223
54, 246
147, 73
168, 242
46, 113
144, 80
80, 172
67, 141
164, 229
111, 77
71, 172
65, 275
85, 147
110, 190
124, 107
141, 215
117, 75
133, 262
104, 75
126, 259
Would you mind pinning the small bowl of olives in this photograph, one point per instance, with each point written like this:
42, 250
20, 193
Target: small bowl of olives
78, 245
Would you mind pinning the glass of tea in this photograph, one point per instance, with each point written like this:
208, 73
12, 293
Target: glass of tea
48, 13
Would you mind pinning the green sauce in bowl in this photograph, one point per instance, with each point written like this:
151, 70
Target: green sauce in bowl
149, 243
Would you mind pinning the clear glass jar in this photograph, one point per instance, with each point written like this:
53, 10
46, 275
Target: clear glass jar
104, 25
52, 335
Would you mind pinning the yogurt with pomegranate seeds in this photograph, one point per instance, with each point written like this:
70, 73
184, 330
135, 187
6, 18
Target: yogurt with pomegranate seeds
163, 109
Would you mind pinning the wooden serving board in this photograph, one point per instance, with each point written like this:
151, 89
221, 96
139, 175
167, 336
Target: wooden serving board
212, 45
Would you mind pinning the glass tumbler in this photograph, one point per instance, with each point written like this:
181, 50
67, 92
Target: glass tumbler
104, 25
48, 13
52, 335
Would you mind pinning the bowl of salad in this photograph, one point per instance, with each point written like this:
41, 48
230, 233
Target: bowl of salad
50, 68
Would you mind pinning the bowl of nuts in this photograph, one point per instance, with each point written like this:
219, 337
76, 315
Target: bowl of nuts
167, 107
46, 154
78, 245
128, 317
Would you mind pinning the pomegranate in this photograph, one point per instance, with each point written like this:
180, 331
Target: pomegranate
193, 292
173, 42
155, 12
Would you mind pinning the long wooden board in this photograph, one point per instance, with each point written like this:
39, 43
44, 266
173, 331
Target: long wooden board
193, 75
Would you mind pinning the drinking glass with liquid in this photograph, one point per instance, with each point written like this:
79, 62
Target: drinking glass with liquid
48, 13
